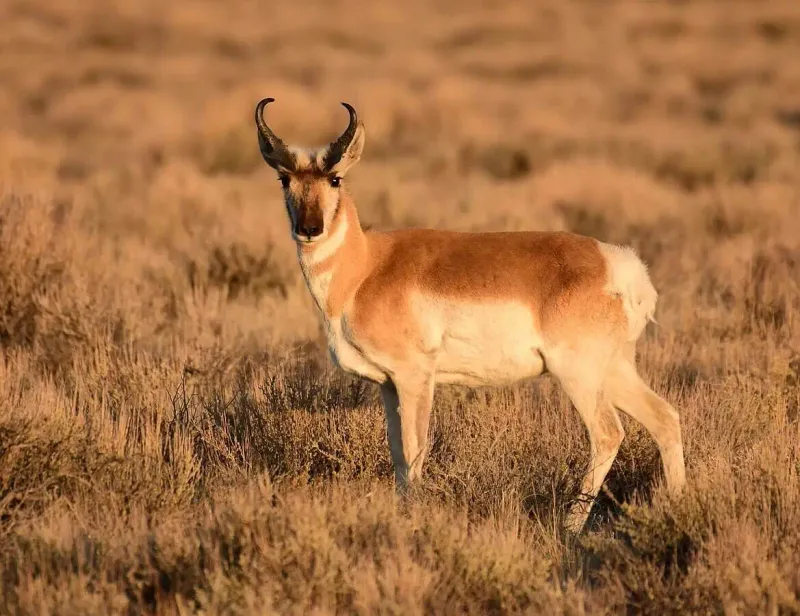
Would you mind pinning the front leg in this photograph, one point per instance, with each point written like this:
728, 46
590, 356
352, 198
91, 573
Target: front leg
407, 401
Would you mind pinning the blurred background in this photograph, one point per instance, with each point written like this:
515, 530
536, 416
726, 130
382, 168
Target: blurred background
160, 352
136, 118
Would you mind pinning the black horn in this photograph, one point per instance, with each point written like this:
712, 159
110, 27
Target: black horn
337, 148
272, 148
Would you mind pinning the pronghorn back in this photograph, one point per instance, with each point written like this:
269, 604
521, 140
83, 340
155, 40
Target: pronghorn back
517, 293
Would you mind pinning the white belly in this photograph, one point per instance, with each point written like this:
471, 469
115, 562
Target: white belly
488, 345
474, 345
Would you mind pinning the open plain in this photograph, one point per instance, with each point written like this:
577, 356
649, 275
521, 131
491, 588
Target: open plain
173, 437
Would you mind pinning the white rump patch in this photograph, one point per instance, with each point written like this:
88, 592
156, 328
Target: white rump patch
629, 280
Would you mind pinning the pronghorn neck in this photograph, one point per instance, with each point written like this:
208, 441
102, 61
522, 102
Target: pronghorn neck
333, 265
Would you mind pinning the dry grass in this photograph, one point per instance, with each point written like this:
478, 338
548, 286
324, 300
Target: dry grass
172, 438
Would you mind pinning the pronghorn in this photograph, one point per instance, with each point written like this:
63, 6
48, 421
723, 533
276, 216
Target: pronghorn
410, 308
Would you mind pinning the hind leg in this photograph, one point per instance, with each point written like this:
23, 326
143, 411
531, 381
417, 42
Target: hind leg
582, 377
628, 392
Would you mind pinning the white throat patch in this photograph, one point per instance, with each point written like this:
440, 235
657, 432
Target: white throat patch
326, 247
319, 283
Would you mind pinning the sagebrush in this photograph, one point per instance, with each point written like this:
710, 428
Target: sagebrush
173, 438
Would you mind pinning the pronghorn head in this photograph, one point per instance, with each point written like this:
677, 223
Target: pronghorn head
311, 178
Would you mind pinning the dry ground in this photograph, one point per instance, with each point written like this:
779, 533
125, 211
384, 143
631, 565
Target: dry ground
172, 436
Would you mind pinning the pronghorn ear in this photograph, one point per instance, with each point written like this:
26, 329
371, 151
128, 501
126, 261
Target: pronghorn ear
352, 154
346, 150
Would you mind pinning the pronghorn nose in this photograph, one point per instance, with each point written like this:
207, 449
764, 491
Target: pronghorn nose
309, 230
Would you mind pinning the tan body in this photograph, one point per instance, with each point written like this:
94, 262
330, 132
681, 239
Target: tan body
411, 308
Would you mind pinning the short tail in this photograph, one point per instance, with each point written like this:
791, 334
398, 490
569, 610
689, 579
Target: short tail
629, 280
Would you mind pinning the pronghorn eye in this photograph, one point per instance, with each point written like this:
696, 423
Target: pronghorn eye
335, 181
284, 181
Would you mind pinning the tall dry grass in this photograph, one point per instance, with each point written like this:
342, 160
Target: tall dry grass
172, 436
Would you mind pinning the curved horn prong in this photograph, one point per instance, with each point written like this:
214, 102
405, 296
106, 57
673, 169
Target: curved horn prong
272, 148
350, 131
337, 148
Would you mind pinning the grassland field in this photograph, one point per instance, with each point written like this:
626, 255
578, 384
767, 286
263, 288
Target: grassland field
173, 436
